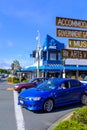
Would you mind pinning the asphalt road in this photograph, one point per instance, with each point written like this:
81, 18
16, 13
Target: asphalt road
31, 120
7, 116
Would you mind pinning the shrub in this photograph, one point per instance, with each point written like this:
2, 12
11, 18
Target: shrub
80, 115
9, 79
13, 79
70, 125
78, 121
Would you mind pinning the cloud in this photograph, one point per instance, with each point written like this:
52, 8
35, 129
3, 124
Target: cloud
4, 65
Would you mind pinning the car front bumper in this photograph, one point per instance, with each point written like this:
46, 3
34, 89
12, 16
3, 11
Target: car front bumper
31, 105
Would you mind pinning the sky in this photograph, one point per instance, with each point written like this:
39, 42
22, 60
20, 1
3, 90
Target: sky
20, 21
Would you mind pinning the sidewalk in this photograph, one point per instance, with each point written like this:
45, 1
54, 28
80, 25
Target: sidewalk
66, 117
11, 86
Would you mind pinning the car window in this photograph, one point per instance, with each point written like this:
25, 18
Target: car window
32, 80
40, 80
35, 81
65, 85
47, 85
74, 83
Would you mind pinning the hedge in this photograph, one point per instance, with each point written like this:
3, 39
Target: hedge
80, 115
13, 79
78, 121
70, 125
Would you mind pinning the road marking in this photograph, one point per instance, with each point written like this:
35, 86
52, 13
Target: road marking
10, 88
18, 113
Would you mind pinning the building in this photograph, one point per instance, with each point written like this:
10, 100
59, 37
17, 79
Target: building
50, 63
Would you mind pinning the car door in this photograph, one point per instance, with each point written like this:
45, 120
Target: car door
63, 95
75, 90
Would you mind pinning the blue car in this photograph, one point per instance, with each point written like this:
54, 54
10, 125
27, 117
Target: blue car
53, 93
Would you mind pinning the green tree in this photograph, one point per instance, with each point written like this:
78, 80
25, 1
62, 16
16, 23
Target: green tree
6, 71
15, 66
1, 70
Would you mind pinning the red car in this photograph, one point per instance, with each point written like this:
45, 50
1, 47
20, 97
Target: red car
30, 84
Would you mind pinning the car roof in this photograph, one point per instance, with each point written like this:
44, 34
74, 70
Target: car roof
61, 79
40, 78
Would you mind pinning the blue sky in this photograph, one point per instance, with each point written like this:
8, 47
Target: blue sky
20, 20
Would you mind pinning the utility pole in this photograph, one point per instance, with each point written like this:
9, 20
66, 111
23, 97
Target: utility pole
63, 73
38, 54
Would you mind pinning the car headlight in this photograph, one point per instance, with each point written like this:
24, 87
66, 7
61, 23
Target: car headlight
16, 86
34, 98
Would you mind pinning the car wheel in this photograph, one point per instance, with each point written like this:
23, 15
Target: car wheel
84, 99
48, 105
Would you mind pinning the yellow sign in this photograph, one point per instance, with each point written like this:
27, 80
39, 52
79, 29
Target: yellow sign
71, 22
77, 43
68, 53
71, 33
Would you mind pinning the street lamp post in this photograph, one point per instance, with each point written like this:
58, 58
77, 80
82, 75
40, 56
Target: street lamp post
77, 72
38, 54
63, 75
38, 63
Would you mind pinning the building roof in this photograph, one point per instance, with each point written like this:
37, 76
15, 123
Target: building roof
51, 42
54, 68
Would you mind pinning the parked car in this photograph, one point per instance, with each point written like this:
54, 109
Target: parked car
30, 84
50, 94
84, 80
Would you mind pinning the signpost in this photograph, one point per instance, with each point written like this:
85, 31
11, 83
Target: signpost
77, 43
68, 22
79, 54
73, 33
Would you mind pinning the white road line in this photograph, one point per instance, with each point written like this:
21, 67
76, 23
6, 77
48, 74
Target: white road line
18, 113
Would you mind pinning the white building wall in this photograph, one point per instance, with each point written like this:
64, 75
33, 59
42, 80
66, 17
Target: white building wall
76, 62
36, 63
70, 61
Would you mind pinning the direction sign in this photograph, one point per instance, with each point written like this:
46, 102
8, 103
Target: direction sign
68, 53
77, 43
71, 33
60, 21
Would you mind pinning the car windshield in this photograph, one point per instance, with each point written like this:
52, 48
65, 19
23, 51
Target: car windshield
32, 80
48, 85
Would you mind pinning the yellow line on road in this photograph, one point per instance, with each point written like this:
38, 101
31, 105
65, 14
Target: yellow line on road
10, 89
